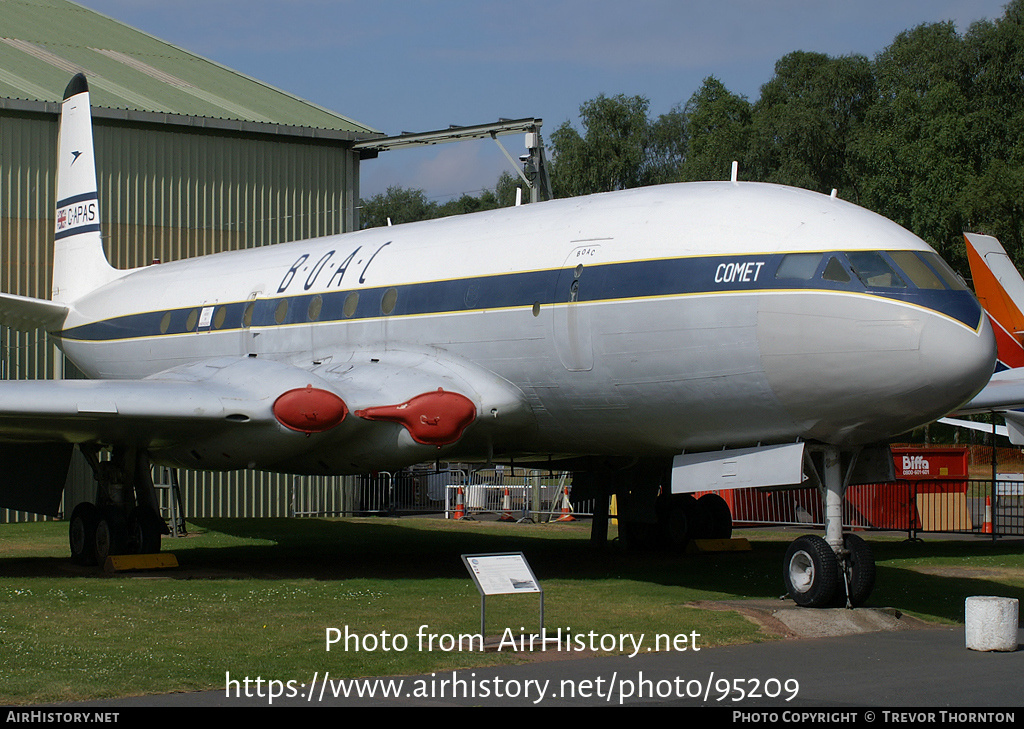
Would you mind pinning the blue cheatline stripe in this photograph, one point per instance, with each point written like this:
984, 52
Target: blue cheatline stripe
77, 199
91, 228
599, 282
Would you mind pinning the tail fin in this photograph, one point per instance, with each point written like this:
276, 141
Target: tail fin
1000, 289
79, 263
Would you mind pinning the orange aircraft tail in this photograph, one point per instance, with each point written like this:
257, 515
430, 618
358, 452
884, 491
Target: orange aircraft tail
1000, 289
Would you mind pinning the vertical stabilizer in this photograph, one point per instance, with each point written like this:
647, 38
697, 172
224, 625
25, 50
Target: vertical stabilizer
79, 264
1000, 289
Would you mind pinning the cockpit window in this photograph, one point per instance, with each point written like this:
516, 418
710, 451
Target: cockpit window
873, 271
834, 271
799, 266
915, 269
947, 274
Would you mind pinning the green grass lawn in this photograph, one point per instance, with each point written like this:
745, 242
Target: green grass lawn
255, 598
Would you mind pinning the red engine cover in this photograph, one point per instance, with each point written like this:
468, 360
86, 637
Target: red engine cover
309, 410
433, 418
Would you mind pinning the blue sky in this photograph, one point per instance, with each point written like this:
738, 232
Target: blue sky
416, 65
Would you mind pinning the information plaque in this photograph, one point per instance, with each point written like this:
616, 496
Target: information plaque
506, 573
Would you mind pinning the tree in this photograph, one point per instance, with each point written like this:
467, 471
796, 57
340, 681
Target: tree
612, 152
992, 200
407, 205
915, 142
717, 128
804, 122
399, 204
667, 148
506, 189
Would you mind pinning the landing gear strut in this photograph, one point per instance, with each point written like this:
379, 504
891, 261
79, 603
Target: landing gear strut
125, 518
838, 570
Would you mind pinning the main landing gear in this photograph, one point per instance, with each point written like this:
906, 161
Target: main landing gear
839, 570
125, 517
650, 517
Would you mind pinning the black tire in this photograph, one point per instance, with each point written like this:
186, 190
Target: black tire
811, 572
675, 520
860, 570
82, 533
111, 534
717, 516
144, 531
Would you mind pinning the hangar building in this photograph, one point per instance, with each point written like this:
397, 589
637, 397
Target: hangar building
192, 158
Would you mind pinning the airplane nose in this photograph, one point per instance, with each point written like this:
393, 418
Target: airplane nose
864, 370
959, 362
953, 363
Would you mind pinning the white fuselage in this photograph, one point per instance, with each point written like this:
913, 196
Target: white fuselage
649, 321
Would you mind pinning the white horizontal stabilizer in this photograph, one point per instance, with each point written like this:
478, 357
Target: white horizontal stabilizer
25, 314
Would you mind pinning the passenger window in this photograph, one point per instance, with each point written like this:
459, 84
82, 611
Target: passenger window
873, 271
834, 271
798, 266
316, 305
351, 303
916, 270
388, 301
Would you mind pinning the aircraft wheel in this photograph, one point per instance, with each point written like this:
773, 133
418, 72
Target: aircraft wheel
675, 522
82, 533
811, 572
860, 569
144, 531
111, 534
717, 516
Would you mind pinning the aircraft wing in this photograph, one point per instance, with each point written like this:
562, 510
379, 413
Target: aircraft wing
205, 405
1005, 391
361, 412
144, 412
972, 425
1004, 394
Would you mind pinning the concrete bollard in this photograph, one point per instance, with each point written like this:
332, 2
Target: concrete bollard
990, 623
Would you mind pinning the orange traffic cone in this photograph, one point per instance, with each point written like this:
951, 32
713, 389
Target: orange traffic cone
506, 507
460, 506
566, 507
986, 527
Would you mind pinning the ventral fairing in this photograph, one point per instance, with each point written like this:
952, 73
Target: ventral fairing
655, 341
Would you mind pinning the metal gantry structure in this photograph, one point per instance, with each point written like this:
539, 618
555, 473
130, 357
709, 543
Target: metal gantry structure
532, 167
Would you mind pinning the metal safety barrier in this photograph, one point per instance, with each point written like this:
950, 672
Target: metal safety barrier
526, 493
959, 506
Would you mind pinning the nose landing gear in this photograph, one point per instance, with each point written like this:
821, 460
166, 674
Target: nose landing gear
839, 570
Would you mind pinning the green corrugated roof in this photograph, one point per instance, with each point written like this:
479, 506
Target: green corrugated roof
43, 43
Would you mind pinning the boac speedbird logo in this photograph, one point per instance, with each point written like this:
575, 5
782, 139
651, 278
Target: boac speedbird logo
76, 154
